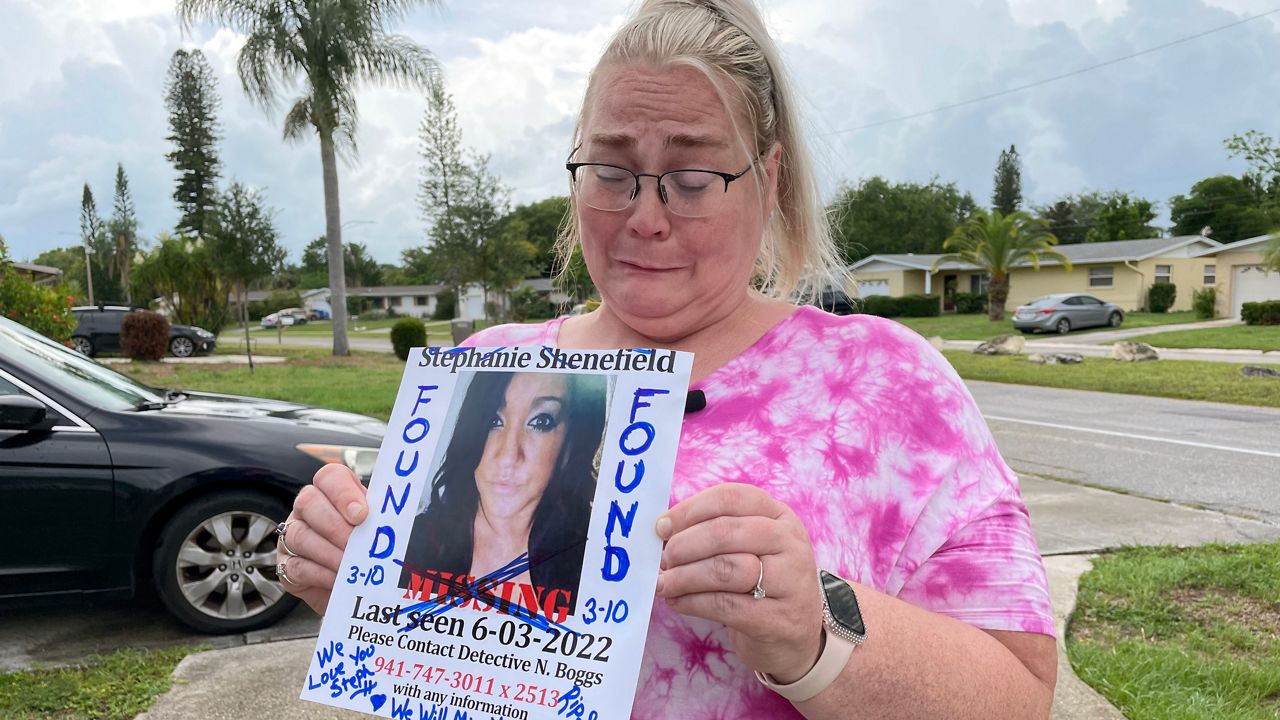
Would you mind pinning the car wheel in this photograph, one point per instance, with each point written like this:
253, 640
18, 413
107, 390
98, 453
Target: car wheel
1063, 327
1115, 319
182, 346
83, 345
215, 569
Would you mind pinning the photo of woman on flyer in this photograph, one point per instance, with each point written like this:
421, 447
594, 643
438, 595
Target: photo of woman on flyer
518, 476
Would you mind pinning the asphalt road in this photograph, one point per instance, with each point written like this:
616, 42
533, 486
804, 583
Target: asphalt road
1211, 455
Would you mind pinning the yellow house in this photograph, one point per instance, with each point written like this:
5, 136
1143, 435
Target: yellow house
1236, 270
1117, 272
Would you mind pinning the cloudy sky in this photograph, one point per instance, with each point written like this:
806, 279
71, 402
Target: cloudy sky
81, 84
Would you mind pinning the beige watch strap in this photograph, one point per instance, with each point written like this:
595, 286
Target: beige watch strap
835, 655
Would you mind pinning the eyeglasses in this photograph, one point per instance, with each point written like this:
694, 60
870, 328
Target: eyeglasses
687, 193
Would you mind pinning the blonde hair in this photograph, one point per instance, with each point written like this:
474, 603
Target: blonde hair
727, 41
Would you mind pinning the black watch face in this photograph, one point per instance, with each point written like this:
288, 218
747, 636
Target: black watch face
842, 603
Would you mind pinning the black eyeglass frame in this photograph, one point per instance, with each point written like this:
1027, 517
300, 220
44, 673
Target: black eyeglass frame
572, 167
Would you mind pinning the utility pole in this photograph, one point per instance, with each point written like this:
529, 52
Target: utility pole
88, 269
88, 261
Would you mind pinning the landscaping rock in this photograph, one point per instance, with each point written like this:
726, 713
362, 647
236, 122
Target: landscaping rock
1133, 352
1259, 371
1002, 345
1056, 359
936, 341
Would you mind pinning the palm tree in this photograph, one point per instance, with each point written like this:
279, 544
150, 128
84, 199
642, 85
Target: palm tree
331, 45
996, 243
1271, 253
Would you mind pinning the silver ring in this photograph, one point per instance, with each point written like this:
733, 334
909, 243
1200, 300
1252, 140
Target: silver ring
280, 573
281, 529
758, 591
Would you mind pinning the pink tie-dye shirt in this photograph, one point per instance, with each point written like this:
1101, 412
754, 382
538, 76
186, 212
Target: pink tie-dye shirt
868, 434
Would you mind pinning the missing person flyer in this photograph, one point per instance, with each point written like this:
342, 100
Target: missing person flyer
508, 564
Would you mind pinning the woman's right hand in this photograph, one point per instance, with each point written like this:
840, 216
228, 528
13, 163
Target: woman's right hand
324, 514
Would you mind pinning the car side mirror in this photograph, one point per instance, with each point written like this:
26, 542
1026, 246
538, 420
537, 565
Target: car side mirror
19, 412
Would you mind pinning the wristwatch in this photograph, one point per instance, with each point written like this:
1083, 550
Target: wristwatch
842, 631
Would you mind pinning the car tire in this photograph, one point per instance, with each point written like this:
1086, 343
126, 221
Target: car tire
83, 345
1063, 326
215, 568
1115, 319
182, 346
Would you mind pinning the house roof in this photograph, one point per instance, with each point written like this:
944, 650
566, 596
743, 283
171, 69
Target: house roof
1077, 253
1238, 245
34, 269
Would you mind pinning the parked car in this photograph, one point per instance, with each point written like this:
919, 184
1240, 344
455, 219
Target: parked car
837, 302
1064, 312
278, 319
98, 330
112, 487
299, 315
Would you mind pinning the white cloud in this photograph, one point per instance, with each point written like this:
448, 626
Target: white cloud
81, 85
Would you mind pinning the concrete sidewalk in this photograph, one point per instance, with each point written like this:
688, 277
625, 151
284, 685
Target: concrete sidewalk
1244, 357
1109, 336
1071, 522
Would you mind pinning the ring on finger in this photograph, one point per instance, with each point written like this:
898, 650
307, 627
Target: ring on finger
281, 529
282, 574
758, 591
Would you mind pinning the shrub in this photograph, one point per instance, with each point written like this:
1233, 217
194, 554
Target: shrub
905, 306
970, 303
446, 305
144, 335
406, 334
919, 306
1160, 297
527, 303
1203, 302
43, 309
1266, 312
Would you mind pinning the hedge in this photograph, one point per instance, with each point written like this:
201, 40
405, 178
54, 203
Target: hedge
970, 303
1266, 312
43, 309
905, 306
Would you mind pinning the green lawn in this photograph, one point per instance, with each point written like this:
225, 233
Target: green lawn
116, 686
978, 327
1186, 379
1242, 337
1182, 634
364, 383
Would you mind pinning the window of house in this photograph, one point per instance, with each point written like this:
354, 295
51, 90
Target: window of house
1210, 275
1101, 277
419, 300
978, 283
1164, 274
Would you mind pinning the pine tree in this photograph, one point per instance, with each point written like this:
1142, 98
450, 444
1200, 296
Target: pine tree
191, 97
90, 231
466, 205
1007, 195
444, 172
123, 229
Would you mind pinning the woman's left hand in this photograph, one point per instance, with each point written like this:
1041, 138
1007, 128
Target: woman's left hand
716, 544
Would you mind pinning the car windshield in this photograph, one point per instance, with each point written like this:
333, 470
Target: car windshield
62, 367
1045, 301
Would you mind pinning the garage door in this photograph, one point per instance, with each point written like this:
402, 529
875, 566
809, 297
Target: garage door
867, 288
1251, 283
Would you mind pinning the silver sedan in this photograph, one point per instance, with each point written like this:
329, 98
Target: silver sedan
1064, 312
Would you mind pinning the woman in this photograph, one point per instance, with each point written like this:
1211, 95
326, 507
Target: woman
517, 478
842, 443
